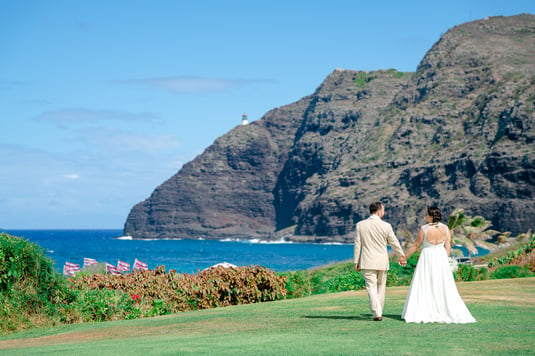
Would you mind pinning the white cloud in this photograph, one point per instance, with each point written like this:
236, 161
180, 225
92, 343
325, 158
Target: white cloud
35, 195
192, 85
80, 115
109, 140
71, 176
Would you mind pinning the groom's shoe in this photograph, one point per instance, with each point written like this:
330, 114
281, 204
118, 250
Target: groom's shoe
379, 318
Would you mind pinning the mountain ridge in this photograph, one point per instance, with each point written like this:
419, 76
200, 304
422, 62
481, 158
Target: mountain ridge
458, 132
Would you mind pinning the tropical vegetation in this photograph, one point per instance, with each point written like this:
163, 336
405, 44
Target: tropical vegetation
473, 231
35, 295
324, 324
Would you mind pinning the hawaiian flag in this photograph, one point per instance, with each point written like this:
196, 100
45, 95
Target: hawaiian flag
140, 265
123, 266
89, 262
112, 269
69, 269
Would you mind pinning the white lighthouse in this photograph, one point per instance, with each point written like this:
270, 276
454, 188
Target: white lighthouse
244, 119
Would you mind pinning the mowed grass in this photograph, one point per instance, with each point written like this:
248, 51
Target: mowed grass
329, 324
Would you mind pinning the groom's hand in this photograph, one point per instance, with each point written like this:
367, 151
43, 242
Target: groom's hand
402, 261
357, 267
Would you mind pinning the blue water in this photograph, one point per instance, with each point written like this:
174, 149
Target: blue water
184, 256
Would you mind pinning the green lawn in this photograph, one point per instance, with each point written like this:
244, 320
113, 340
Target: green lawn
329, 324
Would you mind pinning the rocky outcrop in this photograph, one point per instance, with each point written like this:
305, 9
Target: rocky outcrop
458, 133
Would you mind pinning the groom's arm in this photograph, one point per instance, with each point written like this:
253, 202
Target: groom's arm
394, 243
358, 244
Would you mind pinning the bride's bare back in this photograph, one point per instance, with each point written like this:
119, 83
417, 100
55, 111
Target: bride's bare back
437, 234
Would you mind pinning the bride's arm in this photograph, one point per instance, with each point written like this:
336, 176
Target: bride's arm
415, 245
447, 243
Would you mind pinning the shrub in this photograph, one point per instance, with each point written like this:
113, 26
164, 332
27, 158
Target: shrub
32, 292
102, 305
318, 281
361, 79
324, 280
510, 272
483, 274
466, 273
298, 284
402, 275
351, 280
511, 256
231, 286
163, 293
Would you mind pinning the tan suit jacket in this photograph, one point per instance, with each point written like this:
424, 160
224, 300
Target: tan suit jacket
371, 238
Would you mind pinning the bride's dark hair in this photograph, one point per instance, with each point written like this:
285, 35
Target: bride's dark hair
435, 213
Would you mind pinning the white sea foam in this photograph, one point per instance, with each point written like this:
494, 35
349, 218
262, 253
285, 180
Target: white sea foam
230, 240
126, 237
282, 240
129, 238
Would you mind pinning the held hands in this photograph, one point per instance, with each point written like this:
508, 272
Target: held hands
402, 261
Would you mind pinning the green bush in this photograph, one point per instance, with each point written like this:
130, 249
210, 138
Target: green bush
510, 272
402, 275
159, 307
318, 281
32, 292
102, 305
510, 256
466, 273
361, 79
298, 284
483, 274
351, 280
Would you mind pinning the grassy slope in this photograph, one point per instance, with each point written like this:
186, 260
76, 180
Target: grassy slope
329, 324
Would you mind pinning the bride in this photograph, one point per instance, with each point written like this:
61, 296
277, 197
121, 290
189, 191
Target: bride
433, 295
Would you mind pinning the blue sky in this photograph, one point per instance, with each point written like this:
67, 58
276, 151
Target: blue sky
102, 101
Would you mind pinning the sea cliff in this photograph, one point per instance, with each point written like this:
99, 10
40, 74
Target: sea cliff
458, 132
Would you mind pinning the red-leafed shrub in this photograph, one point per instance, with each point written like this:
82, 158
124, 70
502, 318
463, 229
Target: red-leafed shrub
164, 293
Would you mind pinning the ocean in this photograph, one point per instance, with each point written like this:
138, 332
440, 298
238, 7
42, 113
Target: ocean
184, 256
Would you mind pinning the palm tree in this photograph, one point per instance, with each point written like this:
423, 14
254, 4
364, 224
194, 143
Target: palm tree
471, 231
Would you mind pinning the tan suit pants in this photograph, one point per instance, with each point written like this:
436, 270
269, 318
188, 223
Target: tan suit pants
376, 285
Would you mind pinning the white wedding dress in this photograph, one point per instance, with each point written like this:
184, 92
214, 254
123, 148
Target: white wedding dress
433, 295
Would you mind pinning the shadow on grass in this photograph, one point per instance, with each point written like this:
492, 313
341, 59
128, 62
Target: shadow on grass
367, 317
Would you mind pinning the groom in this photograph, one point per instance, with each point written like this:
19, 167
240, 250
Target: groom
371, 255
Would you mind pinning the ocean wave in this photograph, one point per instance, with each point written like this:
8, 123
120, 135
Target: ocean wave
129, 238
125, 237
258, 241
282, 240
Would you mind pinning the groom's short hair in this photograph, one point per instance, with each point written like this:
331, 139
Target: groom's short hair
375, 207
